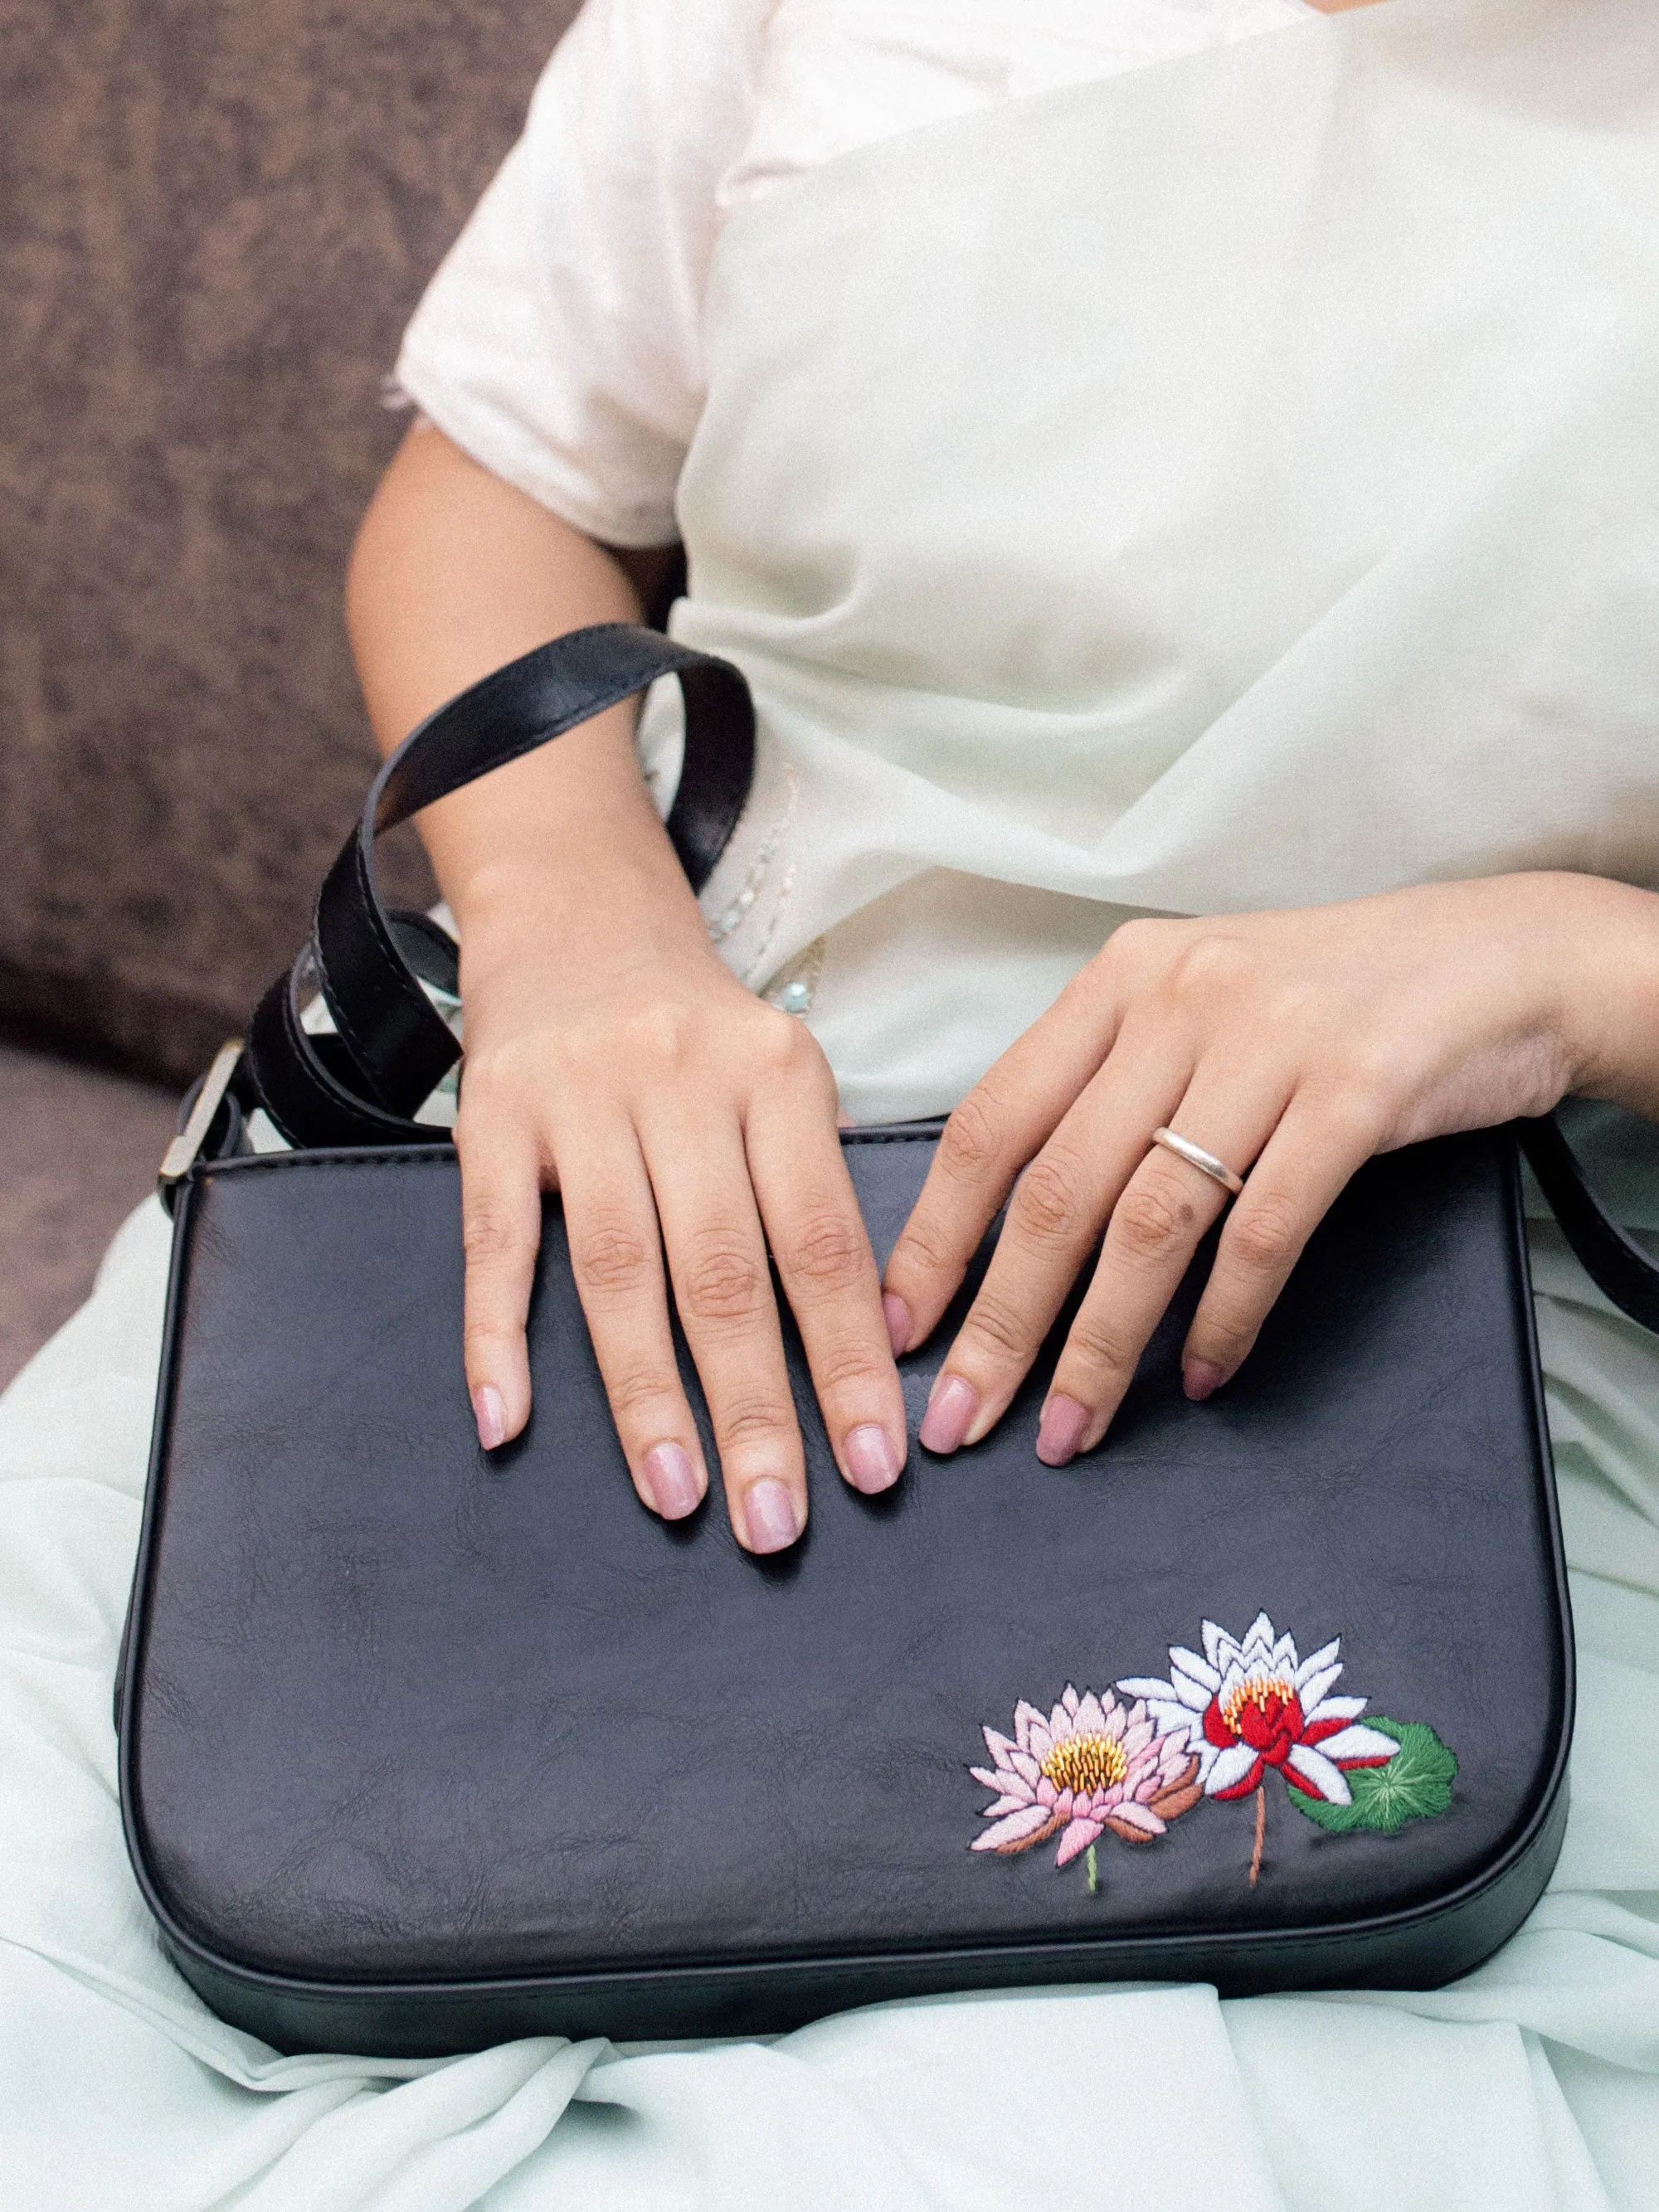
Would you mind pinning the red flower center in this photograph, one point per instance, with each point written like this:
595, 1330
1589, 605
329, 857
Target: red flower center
1263, 1711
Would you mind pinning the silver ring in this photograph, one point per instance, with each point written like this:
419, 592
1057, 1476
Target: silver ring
1196, 1157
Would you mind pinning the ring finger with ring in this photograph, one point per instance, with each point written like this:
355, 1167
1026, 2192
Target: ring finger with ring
1182, 1184
1156, 1201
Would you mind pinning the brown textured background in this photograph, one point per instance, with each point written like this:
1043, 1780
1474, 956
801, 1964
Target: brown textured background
215, 220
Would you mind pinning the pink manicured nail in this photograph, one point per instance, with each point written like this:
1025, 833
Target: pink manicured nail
769, 1514
949, 1415
1061, 1432
898, 1321
672, 1480
1199, 1378
870, 1460
490, 1415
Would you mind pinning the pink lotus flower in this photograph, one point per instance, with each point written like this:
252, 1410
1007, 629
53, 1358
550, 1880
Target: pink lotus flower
1090, 1765
1253, 1705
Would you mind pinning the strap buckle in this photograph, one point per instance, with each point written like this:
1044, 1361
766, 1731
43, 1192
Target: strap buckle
182, 1154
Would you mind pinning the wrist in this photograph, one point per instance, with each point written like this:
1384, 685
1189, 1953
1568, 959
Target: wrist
600, 922
539, 834
566, 891
555, 871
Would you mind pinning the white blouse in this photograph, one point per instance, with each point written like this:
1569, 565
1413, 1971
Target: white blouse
561, 344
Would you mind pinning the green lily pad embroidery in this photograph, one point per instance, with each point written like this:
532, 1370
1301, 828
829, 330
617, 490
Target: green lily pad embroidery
1415, 1784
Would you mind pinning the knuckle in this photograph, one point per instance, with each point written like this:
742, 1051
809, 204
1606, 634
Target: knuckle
1095, 1348
1131, 941
828, 1252
489, 1232
661, 1035
847, 1369
1048, 1204
491, 1074
1153, 1220
970, 1145
1265, 1234
612, 1257
1354, 1111
722, 1282
791, 1047
633, 1391
753, 1420
508, 1085
1213, 963
1221, 1338
921, 1251
998, 1325
481, 1333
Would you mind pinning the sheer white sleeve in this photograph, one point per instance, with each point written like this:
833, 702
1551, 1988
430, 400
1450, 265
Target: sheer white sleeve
559, 343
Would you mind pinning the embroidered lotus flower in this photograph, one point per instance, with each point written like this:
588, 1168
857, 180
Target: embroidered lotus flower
1090, 1765
1255, 1705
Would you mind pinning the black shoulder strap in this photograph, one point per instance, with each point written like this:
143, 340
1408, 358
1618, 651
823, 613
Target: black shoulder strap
1620, 1268
390, 1046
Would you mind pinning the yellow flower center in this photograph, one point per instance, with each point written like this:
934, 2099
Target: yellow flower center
1083, 1763
1267, 1692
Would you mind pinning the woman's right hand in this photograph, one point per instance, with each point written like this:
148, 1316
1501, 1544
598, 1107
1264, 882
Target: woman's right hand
675, 1114
611, 1054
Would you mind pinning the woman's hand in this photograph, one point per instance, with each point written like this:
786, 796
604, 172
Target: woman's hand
1291, 1045
610, 1054
674, 1111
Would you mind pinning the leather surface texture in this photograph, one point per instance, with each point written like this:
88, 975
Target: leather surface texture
421, 1747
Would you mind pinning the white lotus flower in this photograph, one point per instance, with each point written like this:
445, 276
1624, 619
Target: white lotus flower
1251, 1703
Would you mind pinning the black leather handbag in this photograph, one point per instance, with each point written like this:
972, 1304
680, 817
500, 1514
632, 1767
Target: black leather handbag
421, 1749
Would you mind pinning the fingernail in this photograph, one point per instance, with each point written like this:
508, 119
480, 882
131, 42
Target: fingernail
870, 1460
672, 1480
1060, 1430
1199, 1378
490, 1415
898, 1321
769, 1514
949, 1415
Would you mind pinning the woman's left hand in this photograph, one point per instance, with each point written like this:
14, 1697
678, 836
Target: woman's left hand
1291, 1045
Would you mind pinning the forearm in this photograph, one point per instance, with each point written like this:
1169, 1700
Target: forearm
453, 573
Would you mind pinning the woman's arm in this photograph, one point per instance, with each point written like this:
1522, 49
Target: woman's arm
1290, 1047
609, 1051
